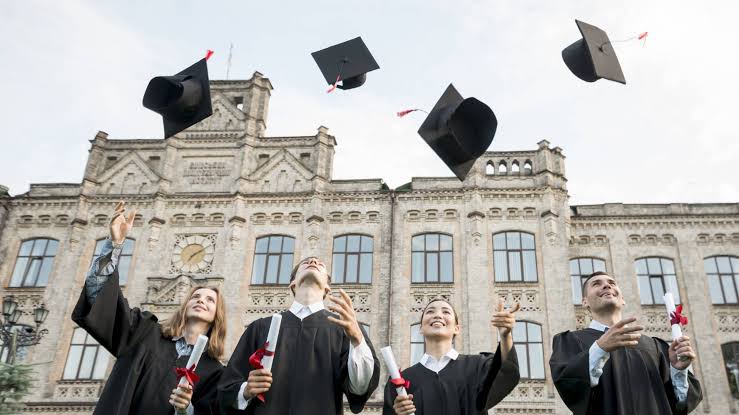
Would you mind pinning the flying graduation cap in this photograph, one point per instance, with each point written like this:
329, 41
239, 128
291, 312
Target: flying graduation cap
459, 130
183, 99
592, 57
347, 62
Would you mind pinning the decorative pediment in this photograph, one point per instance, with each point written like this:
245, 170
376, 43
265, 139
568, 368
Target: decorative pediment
129, 175
164, 295
226, 116
283, 173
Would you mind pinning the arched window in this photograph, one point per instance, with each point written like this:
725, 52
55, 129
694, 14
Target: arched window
731, 362
656, 277
502, 168
124, 260
723, 278
514, 257
432, 258
418, 346
490, 168
33, 264
352, 259
527, 340
273, 260
527, 168
581, 268
86, 360
515, 169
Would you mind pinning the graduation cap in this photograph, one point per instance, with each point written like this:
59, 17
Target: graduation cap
348, 62
592, 57
182, 100
459, 130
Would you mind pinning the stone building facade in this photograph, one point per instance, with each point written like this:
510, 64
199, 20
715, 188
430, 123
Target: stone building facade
507, 232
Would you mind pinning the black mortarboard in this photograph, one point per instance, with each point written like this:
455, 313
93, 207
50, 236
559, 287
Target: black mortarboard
593, 57
459, 130
182, 100
348, 62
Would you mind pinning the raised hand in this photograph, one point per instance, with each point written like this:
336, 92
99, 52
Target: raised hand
259, 381
120, 225
681, 353
504, 320
620, 335
403, 405
180, 397
347, 317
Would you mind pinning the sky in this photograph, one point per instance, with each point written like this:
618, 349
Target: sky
70, 68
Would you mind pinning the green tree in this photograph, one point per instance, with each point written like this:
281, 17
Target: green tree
15, 383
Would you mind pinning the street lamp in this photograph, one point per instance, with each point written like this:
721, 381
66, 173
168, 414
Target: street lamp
17, 334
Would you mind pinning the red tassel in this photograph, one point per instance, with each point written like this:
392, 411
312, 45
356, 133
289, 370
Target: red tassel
208, 54
330, 90
643, 37
403, 113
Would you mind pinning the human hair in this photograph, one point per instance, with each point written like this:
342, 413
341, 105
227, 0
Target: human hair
588, 278
174, 326
295, 272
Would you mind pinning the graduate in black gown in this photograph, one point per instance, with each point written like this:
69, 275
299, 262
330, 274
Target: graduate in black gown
319, 357
610, 368
143, 380
445, 382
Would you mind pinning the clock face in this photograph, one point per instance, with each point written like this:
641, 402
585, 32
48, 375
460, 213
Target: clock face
193, 253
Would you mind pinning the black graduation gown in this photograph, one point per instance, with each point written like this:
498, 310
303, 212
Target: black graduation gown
469, 385
309, 371
144, 373
634, 380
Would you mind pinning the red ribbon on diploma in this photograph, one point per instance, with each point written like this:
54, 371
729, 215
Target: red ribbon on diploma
677, 318
188, 374
401, 382
255, 360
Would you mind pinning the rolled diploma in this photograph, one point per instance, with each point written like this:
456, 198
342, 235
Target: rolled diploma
392, 368
197, 351
274, 332
677, 331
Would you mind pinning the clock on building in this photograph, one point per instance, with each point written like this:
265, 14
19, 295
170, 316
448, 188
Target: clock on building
193, 253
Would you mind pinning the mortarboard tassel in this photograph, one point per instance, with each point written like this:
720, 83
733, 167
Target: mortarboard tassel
403, 113
208, 54
643, 37
330, 90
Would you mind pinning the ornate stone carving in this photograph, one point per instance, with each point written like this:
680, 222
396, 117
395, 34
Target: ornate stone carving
264, 301
421, 295
727, 319
528, 297
164, 295
78, 391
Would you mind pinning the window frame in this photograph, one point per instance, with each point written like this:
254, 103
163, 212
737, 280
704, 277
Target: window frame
122, 279
578, 291
281, 254
412, 343
733, 275
661, 278
84, 346
526, 344
439, 251
30, 259
340, 278
521, 263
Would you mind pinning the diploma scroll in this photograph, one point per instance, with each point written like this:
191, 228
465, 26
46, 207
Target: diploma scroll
271, 344
677, 331
392, 369
197, 351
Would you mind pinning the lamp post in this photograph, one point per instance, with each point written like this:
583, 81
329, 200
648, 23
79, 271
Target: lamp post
17, 334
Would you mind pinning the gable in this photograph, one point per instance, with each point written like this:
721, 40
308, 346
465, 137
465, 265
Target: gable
225, 117
282, 173
129, 175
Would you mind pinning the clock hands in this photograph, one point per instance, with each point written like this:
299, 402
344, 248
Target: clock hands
196, 253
